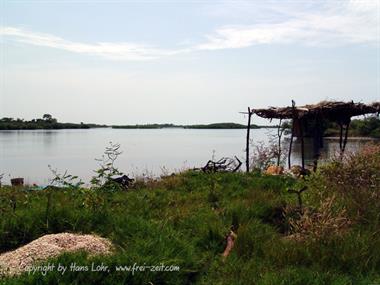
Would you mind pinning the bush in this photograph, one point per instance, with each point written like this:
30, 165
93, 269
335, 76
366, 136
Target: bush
355, 182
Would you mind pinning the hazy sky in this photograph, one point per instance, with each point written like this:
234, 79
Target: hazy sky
127, 62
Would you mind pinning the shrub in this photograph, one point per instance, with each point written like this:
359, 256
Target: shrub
319, 224
355, 182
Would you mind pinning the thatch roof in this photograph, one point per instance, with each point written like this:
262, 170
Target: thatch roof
333, 110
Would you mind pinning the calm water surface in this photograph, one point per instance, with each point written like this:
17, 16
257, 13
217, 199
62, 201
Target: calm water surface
28, 153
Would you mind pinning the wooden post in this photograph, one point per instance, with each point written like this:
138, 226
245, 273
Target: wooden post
343, 142
279, 136
291, 136
317, 142
247, 141
302, 145
345, 138
341, 136
291, 145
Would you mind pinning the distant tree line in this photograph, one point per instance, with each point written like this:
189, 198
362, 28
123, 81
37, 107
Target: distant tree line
367, 127
46, 122
146, 126
200, 126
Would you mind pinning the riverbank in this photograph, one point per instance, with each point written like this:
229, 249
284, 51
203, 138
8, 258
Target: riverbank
183, 221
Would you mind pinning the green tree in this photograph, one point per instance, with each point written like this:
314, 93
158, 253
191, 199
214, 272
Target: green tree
49, 118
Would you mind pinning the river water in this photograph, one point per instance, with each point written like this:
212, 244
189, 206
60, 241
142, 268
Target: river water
152, 152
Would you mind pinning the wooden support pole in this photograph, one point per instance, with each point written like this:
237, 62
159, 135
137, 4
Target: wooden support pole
247, 141
279, 135
290, 145
291, 136
341, 137
345, 137
302, 146
317, 142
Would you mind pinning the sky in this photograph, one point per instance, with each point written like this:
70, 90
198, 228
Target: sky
183, 62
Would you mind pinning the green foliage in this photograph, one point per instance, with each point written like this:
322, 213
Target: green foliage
47, 122
367, 127
354, 181
65, 179
105, 174
183, 220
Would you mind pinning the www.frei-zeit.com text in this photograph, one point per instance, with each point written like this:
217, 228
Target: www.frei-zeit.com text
74, 267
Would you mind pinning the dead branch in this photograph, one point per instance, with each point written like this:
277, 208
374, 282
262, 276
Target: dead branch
231, 237
225, 164
298, 193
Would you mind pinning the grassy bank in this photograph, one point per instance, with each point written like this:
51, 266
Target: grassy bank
183, 220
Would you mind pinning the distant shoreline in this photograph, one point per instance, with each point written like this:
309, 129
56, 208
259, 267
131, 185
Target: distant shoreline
40, 124
47, 122
228, 125
367, 128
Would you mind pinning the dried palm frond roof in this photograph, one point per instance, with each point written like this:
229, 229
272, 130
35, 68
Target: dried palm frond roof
332, 110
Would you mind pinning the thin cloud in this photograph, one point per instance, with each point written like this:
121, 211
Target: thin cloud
114, 51
352, 22
333, 24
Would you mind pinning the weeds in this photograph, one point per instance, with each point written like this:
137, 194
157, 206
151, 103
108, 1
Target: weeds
321, 223
104, 178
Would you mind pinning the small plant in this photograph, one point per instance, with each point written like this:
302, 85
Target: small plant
64, 180
279, 142
106, 173
299, 197
263, 155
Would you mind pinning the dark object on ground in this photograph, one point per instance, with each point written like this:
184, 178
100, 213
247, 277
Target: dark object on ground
124, 181
17, 181
225, 164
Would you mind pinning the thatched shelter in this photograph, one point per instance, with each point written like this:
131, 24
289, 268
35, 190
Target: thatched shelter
339, 112
303, 116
